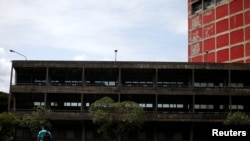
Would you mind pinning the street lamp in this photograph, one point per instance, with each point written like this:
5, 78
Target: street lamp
19, 54
115, 55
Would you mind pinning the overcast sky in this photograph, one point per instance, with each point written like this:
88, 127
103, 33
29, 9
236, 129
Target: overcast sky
141, 30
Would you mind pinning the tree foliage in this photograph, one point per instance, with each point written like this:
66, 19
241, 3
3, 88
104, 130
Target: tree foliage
3, 102
115, 118
36, 119
237, 118
8, 122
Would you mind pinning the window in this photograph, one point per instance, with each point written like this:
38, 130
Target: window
204, 106
237, 107
54, 104
72, 104
208, 3
171, 106
180, 106
148, 105
234, 107
159, 105
196, 106
240, 107
142, 105
70, 134
220, 1
221, 107
165, 105
210, 106
38, 103
197, 7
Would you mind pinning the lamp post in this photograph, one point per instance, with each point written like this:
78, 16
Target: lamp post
19, 54
116, 54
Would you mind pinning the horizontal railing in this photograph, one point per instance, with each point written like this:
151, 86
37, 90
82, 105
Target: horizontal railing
147, 112
149, 116
126, 85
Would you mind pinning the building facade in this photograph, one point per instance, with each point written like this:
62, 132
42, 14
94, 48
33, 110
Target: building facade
183, 101
219, 31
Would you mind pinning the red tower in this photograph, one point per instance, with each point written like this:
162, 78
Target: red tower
219, 31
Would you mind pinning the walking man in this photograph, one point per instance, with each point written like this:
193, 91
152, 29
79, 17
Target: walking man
44, 135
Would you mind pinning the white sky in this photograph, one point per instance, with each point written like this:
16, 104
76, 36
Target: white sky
141, 30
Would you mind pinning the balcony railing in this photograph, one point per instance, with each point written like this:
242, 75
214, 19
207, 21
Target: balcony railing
208, 85
150, 115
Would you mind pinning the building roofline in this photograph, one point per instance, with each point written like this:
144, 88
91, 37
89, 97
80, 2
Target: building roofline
129, 64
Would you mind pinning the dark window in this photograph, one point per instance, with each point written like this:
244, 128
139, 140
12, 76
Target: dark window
208, 3
219, 1
196, 7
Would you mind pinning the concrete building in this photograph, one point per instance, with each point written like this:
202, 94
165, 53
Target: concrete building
183, 101
219, 31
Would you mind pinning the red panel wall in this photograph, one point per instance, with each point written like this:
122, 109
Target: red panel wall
189, 47
235, 6
222, 26
241, 61
247, 33
210, 57
209, 30
208, 16
248, 61
197, 48
247, 17
222, 40
236, 36
237, 52
196, 21
209, 44
236, 21
197, 59
222, 11
247, 4
225, 27
195, 35
223, 55
248, 49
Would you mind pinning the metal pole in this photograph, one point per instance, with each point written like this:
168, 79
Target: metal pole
19, 54
116, 55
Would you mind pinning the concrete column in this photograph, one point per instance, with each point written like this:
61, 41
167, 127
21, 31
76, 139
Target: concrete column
193, 77
83, 77
119, 138
119, 78
82, 103
11, 75
47, 76
191, 133
156, 78
10, 94
83, 131
14, 103
229, 85
45, 101
119, 97
229, 78
192, 106
155, 133
230, 103
9, 102
156, 104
